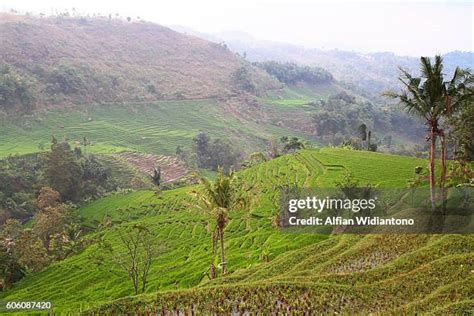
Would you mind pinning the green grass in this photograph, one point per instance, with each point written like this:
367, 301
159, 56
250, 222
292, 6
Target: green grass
107, 207
372, 274
299, 96
209, 174
343, 274
152, 128
390, 171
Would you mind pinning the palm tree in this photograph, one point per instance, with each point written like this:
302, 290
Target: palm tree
218, 198
424, 97
433, 99
457, 93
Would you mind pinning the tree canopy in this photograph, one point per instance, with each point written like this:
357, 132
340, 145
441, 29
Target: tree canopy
291, 73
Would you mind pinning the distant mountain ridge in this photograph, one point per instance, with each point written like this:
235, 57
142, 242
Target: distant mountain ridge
369, 73
372, 73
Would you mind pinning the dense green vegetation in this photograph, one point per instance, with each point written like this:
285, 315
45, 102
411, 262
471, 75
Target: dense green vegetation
213, 154
77, 178
92, 214
300, 96
15, 89
462, 133
337, 120
291, 73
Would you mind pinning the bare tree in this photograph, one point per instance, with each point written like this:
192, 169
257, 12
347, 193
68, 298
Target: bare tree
135, 254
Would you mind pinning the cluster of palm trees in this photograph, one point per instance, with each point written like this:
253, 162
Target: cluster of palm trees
435, 100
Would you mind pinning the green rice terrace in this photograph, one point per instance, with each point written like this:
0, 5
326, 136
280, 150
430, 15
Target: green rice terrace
270, 271
155, 127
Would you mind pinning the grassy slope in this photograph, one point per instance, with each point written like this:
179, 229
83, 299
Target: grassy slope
154, 128
300, 96
378, 266
77, 281
106, 208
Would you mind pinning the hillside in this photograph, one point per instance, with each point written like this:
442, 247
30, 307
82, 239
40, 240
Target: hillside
367, 73
154, 128
344, 274
138, 86
135, 86
66, 60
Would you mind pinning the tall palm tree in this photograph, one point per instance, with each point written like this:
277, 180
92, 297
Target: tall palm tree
218, 198
457, 93
423, 96
434, 99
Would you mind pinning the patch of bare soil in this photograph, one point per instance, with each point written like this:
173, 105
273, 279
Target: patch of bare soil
172, 168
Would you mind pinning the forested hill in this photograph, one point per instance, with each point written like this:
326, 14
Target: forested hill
71, 60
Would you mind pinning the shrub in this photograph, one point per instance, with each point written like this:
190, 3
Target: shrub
291, 73
15, 89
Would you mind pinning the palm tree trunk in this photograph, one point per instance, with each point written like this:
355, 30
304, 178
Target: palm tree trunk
221, 237
212, 267
443, 171
369, 136
432, 169
212, 271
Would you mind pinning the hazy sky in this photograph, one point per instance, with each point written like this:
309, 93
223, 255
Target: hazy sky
404, 27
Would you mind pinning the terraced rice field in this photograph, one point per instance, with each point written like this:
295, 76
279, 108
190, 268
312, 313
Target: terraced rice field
389, 171
300, 96
389, 274
124, 173
372, 274
172, 169
155, 128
